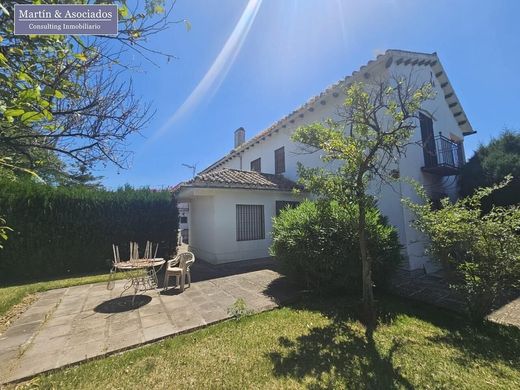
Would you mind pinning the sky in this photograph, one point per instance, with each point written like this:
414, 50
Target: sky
250, 62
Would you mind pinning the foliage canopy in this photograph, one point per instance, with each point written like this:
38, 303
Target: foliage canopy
489, 165
317, 244
65, 101
369, 137
483, 251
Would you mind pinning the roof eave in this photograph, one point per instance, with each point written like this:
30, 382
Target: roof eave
452, 99
430, 59
236, 186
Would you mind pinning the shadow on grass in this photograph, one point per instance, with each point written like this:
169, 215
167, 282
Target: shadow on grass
343, 353
338, 351
490, 342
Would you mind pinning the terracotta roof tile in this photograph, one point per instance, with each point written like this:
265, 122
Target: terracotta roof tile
234, 178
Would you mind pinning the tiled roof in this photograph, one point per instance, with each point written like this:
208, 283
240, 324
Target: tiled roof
400, 57
235, 178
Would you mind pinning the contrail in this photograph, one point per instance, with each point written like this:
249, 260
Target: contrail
216, 74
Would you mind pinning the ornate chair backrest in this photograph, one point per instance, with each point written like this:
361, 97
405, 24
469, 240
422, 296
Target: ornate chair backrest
156, 249
134, 251
115, 249
147, 251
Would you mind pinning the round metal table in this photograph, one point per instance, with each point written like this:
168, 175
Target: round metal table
141, 274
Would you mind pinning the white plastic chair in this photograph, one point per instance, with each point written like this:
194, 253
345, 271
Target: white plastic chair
180, 268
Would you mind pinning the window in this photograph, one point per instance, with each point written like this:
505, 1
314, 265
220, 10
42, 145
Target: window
283, 204
184, 220
279, 160
256, 165
250, 222
428, 141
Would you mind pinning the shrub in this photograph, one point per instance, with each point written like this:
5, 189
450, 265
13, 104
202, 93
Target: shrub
70, 230
482, 251
489, 165
239, 309
317, 245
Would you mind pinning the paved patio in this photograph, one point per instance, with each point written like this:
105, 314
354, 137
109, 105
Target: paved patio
69, 325
508, 314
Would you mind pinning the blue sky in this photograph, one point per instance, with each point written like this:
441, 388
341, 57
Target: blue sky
282, 52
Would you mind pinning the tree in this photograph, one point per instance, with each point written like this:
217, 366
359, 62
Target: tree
67, 96
489, 165
374, 128
64, 102
481, 251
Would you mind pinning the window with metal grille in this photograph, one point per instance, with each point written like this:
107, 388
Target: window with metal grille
283, 204
256, 165
279, 160
250, 222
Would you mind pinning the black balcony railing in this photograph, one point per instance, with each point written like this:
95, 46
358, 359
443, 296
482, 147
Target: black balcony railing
443, 156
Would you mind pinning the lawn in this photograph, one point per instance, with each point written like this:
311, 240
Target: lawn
316, 344
11, 296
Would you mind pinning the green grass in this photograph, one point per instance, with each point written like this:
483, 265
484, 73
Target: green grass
13, 295
315, 345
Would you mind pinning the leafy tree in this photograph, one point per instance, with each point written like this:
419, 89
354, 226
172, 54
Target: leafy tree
489, 165
483, 251
64, 102
374, 129
67, 96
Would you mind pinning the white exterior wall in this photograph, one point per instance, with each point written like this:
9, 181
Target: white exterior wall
202, 226
213, 223
389, 199
409, 166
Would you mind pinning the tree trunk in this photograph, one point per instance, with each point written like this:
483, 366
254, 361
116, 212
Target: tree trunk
368, 295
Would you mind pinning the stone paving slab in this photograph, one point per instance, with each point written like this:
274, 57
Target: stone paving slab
70, 325
509, 314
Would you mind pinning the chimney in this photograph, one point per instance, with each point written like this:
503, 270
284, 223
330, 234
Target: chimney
240, 137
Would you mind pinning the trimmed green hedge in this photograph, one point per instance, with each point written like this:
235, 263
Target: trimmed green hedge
70, 230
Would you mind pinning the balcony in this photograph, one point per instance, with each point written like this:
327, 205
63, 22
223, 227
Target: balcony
442, 156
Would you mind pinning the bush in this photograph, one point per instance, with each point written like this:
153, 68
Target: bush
317, 245
481, 251
70, 230
489, 165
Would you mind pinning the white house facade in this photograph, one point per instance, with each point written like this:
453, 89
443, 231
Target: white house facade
223, 204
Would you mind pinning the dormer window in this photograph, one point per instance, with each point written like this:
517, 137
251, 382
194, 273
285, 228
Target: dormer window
279, 160
256, 165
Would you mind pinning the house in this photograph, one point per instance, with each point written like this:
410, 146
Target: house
233, 201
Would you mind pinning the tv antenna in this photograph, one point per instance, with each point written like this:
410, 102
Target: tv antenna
192, 167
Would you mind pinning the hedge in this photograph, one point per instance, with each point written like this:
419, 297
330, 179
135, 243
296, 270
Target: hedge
70, 230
